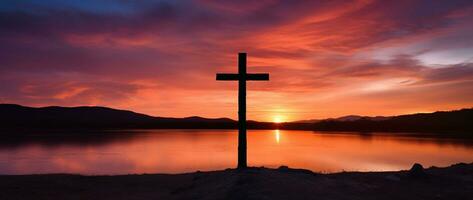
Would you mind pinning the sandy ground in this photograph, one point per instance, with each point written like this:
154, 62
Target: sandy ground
455, 182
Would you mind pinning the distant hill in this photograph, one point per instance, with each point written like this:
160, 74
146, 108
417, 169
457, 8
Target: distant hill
345, 118
85, 117
442, 121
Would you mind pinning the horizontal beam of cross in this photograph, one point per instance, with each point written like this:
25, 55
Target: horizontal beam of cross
236, 77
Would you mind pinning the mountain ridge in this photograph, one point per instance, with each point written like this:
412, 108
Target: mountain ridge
14, 116
345, 118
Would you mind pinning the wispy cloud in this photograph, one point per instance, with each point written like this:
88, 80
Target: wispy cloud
326, 58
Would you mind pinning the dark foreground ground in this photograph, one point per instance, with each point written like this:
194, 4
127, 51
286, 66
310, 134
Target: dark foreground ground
455, 182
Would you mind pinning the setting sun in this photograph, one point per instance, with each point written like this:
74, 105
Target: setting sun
278, 119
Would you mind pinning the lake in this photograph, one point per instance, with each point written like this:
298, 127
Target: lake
177, 151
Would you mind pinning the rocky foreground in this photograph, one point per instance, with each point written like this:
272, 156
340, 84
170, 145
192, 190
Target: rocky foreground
454, 182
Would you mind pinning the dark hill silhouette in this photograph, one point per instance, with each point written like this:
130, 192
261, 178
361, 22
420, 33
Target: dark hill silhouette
345, 118
86, 117
460, 121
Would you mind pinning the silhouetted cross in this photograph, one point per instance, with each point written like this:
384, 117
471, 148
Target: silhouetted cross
242, 77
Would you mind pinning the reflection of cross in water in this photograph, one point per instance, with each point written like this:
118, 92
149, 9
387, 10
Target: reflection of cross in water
242, 77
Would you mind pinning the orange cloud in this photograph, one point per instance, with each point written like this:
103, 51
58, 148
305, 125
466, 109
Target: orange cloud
326, 58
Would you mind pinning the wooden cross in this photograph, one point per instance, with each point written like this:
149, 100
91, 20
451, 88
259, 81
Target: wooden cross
242, 77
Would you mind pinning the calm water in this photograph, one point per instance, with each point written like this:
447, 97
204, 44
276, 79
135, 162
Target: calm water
175, 151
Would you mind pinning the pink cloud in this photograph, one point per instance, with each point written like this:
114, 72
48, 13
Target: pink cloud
326, 58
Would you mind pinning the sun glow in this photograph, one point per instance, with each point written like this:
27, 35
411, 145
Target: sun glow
278, 119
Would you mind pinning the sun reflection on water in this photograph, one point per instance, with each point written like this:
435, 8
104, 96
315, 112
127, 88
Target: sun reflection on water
277, 134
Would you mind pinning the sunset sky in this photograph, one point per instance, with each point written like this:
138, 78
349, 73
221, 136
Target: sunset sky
325, 58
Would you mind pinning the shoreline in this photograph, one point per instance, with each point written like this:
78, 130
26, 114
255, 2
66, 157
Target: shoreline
453, 182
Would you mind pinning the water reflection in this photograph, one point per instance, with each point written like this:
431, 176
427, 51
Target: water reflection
175, 151
277, 133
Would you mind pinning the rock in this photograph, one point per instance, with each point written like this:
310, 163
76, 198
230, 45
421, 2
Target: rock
286, 169
417, 171
283, 168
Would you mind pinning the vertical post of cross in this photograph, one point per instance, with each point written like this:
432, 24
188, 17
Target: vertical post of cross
242, 111
242, 77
